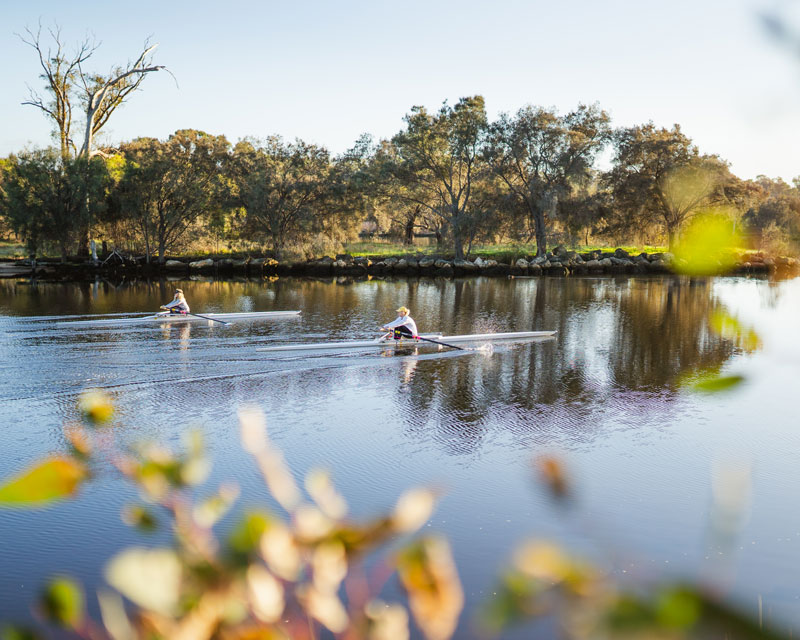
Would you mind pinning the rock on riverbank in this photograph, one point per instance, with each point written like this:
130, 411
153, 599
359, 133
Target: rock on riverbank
561, 263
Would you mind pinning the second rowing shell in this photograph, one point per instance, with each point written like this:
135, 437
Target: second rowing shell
172, 317
379, 342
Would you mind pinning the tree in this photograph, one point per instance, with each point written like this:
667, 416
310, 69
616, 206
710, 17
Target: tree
67, 83
778, 208
60, 73
47, 198
168, 186
397, 204
284, 189
542, 157
438, 160
658, 174
104, 94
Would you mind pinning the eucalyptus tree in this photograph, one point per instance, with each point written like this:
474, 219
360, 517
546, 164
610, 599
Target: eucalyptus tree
284, 188
660, 176
167, 187
405, 206
47, 198
776, 207
66, 83
438, 161
542, 158
69, 87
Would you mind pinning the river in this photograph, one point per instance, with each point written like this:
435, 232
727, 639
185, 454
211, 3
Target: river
605, 396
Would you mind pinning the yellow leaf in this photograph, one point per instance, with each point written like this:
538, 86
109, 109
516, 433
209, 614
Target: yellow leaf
50, 480
435, 596
707, 246
96, 406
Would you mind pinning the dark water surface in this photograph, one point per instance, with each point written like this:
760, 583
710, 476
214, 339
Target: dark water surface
604, 395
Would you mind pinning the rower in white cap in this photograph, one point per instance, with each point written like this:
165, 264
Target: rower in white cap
178, 304
403, 326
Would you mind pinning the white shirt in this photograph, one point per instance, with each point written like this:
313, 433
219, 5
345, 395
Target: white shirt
403, 320
181, 304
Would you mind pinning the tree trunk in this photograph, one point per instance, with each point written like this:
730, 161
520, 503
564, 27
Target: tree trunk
458, 238
83, 242
408, 234
541, 237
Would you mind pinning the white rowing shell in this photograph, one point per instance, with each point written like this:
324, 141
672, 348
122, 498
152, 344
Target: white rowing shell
171, 317
381, 342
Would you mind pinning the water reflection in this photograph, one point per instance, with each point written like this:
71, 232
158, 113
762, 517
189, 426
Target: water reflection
387, 419
179, 331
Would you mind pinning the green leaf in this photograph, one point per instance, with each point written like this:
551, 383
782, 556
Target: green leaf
140, 517
247, 534
50, 480
718, 383
63, 602
678, 608
18, 633
707, 246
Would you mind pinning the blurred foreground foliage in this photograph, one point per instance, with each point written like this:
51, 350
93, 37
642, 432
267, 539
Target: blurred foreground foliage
303, 575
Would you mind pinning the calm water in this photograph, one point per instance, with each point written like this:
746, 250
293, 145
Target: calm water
604, 395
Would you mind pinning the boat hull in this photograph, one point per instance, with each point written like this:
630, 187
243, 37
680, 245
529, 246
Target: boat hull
381, 343
177, 317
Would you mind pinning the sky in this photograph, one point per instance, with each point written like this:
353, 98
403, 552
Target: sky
327, 72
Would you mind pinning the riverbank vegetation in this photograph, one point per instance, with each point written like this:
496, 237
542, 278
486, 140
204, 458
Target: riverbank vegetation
450, 178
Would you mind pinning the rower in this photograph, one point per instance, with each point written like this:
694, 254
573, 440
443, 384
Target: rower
178, 304
403, 326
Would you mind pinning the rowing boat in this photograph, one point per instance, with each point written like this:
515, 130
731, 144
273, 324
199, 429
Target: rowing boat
173, 317
387, 341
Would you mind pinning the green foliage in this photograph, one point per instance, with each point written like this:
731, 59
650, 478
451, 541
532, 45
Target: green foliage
169, 186
711, 380
714, 384
49, 199
50, 480
18, 633
62, 602
707, 246
544, 159
436, 162
12, 250
660, 178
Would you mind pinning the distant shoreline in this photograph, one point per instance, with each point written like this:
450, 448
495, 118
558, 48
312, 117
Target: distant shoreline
563, 263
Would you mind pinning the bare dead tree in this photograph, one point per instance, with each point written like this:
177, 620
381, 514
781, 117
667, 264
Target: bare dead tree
59, 71
63, 73
103, 94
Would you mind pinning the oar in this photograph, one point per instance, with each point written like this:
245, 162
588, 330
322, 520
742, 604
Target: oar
196, 315
444, 344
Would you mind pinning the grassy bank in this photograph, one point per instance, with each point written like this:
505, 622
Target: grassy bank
499, 252
12, 250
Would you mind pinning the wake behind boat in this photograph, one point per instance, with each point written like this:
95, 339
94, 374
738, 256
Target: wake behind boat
175, 317
426, 338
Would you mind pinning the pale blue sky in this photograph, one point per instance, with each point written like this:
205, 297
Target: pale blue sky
329, 71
